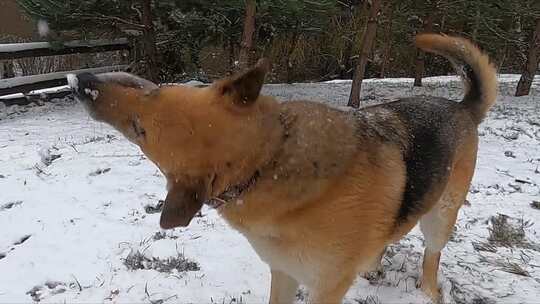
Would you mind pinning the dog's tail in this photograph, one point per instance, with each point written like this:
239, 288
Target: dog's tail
478, 74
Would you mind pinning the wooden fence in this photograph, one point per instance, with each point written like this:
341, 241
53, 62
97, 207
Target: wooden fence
21, 90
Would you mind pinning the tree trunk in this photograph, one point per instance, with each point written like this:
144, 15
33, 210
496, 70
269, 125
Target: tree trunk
231, 55
419, 62
355, 13
420, 56
529, 70
367, 43
247, 36
290, 51
476, 25
388, 40
418, 68
149, 43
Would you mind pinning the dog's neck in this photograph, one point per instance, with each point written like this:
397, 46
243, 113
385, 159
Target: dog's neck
235, 191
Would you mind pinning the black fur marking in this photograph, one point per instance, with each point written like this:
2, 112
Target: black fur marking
85, 82
430, 125
138, 129
371, 124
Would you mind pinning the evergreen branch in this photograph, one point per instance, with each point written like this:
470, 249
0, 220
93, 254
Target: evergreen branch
109, 18
499, 34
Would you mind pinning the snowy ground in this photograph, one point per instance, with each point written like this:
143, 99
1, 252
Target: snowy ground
74, 199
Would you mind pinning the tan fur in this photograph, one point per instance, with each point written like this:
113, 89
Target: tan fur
459, 51
437, 225
331, 183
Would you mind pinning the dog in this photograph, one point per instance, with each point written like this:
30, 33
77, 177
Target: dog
318, 192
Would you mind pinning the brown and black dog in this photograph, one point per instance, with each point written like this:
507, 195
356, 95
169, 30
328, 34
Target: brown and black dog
317, 191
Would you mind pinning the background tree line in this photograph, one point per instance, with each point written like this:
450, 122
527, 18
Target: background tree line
306, 40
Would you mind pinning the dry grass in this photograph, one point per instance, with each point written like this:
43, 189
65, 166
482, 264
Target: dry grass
484, 246
22, 239
302, 294
505, 265
369, 300
482, 300
462, 295
10, 205
137, 260
160, 235
374, 277
49, 155
93, 139
514, 268
508, 232
99, 171
37, 293
228, 300
151, 209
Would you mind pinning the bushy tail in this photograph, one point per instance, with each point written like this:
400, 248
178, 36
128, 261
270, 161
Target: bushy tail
478, 74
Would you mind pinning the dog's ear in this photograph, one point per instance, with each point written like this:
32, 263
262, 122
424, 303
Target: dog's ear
244, 88
181, 205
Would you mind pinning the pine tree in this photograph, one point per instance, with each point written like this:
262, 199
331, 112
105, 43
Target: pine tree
292, 20
161, 30
305, 38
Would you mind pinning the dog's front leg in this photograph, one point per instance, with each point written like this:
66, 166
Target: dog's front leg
283, 288
333, 286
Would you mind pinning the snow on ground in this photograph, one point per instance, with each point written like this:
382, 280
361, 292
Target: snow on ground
76, 203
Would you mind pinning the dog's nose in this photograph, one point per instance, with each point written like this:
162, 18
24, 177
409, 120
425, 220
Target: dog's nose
84, 86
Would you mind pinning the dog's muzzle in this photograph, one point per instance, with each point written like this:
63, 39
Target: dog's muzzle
84, 86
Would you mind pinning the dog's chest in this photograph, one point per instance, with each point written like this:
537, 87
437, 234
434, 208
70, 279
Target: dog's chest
289, 257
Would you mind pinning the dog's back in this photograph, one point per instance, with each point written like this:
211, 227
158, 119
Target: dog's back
389, 167
437, 128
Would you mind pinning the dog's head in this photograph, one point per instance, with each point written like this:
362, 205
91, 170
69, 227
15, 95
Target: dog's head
202, 139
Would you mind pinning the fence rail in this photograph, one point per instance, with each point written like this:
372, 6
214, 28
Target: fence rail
27, 84
39, 49
19, 90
